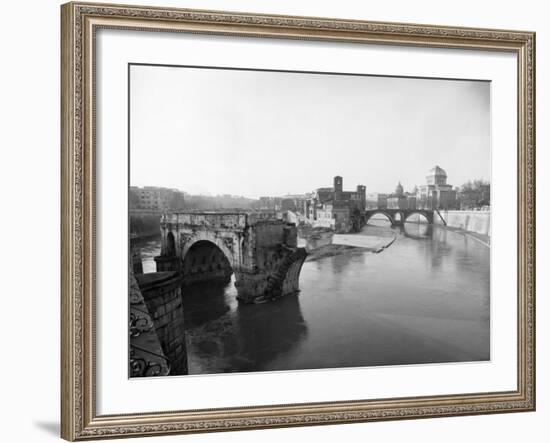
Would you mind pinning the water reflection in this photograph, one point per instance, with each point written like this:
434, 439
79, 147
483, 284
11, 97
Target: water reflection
269, 331
417, 231
225, 336
205, 302
149, 248
424, 299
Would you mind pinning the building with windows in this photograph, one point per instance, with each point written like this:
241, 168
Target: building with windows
382, 201
293, 202
335, 208
397, 200
155, 199
411, 201
436, 193
270, 203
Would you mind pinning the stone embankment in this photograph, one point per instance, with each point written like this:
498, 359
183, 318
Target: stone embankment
322, 242
474, 224
478, 222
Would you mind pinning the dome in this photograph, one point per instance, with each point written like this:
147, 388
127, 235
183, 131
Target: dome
399, 189
436, 176
436, 170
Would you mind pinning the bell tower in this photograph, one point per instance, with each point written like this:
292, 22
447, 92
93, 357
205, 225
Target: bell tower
338, 187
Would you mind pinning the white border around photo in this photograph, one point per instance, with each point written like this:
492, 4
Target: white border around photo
118, 394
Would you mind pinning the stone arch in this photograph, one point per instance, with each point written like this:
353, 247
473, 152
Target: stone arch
291, 282
204, 260
229, 245
423, 214
286, 278
382, 212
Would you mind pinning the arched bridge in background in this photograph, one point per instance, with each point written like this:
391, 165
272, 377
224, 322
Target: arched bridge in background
261, 251
398, 216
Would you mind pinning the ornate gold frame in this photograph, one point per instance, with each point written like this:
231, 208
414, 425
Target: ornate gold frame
79, 21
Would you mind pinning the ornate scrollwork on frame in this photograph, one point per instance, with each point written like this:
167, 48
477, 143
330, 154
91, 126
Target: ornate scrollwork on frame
79, 24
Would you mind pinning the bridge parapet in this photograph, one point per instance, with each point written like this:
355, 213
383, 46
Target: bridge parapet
205, 219
221, 220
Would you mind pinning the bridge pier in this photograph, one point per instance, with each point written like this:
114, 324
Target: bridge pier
251, 287
273, 282
398, 219
168, 263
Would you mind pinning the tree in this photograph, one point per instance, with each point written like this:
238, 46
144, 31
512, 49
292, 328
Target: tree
475, 194
475, 186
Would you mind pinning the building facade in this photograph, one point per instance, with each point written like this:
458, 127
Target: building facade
335, 208
293, 202
436, 193
397, 200
270, 203
153, 198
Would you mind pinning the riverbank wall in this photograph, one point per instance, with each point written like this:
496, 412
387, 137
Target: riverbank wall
478, 222
161, 292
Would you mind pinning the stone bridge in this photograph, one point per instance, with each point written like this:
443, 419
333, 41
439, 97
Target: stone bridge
398, 216
262, 251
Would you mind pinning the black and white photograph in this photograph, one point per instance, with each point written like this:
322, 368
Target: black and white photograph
281, 220
288, 220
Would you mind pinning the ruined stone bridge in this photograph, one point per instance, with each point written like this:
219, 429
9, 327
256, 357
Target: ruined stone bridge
398, 216
262, 251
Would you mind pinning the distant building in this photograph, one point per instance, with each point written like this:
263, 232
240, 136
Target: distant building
289, 202
270, 203
397, 200
382, 201
399, 190
355, 198
293, 202
371, 201
411, 201
335, 215
336, 208
436, 193
397, 203
153, 198
376, 201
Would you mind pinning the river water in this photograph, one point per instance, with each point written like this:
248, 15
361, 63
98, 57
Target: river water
423, 299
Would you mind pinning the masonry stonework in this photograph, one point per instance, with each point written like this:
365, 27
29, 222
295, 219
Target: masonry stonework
262, 252
162, 294
473, 221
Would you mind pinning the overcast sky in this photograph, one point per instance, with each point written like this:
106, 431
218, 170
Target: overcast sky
255, 133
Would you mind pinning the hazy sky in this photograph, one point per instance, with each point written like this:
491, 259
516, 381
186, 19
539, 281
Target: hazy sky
257, 133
